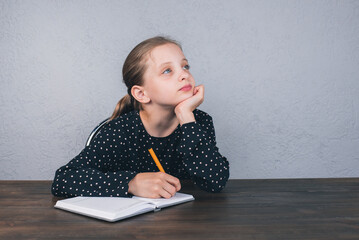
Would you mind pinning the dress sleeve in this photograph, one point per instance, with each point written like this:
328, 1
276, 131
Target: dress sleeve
95, 171
206, 166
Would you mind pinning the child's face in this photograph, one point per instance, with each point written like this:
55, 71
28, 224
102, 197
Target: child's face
167, 80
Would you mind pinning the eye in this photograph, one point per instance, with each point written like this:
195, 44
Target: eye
167, 71
187, 67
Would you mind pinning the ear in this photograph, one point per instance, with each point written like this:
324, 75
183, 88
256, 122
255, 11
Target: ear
138, 93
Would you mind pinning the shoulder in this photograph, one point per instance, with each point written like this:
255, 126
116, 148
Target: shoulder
116, 128
125, 120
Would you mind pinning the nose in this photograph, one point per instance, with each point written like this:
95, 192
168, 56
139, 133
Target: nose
184, 75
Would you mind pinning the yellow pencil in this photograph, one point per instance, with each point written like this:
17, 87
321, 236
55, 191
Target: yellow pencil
153, 155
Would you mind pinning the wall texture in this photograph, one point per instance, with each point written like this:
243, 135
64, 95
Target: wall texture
281, 77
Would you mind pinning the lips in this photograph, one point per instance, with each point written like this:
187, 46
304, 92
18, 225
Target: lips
186, 88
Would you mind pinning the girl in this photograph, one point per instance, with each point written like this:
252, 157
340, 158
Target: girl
159, 112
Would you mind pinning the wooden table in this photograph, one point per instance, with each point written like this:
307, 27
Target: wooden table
246, 209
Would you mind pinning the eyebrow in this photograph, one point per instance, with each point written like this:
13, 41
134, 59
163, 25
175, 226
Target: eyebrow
184, 59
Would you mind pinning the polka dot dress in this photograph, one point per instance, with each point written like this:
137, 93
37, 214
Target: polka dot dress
120, 151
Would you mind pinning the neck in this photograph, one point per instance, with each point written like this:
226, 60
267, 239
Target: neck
159, 122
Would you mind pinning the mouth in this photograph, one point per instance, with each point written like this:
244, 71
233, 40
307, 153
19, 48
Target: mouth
186, 88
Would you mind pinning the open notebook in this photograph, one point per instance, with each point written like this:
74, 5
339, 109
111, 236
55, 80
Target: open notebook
116, 208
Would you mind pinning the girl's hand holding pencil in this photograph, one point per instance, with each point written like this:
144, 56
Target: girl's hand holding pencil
154, 185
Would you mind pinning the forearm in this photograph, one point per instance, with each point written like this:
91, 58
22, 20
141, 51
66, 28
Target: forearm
91, 182
184, 116
209, 173
206, 166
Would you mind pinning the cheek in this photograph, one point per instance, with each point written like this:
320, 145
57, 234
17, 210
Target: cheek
153, 91
161, 91
192, 79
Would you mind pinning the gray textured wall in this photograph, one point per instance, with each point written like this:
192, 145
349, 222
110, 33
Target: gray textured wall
281, 77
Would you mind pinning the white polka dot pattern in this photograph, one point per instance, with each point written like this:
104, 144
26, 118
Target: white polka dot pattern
120, 151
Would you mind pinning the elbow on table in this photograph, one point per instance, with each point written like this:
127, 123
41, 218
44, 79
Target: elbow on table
220, 185
214, 187
218, 188
55, 190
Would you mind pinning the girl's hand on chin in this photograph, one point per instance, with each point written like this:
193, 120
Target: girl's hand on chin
184, 110
191, 103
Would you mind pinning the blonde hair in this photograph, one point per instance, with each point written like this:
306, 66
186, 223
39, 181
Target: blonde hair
133, 70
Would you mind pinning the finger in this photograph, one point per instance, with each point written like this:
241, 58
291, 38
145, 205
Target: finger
173, 181
170, 188
196, 89
199, 97
201, 89
163, 193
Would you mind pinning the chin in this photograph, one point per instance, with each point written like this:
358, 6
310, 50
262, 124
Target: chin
187, 95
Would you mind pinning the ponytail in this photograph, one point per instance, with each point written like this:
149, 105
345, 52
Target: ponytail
123, 106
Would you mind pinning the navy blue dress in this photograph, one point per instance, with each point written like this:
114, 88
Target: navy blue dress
120, 151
